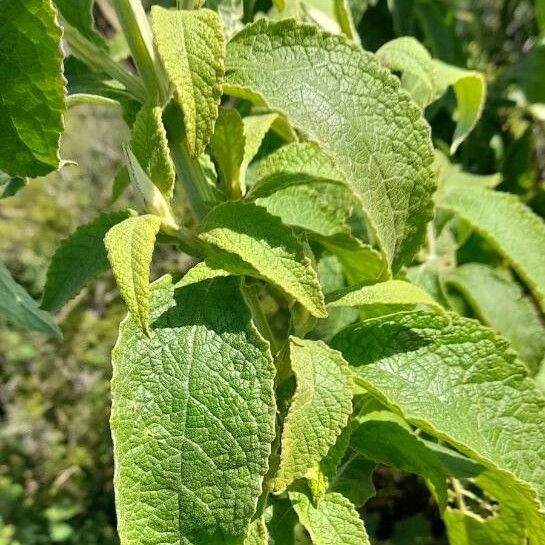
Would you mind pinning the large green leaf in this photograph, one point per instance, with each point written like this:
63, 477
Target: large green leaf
319, 410
507, 224
192, 417
130, 247
332, 520
370, 128
18, 307
32, 90
500, 303
78, 260
385, 438
191, 45
429, 369
79, 14
270, 247
150, 147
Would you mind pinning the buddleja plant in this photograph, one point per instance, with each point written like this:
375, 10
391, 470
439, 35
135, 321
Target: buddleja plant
316, 335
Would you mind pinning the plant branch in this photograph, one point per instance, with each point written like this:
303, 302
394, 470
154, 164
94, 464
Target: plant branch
95, 57
137, 31
250, 292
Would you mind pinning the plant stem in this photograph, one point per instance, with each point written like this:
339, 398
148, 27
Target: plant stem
459, 494
250, 292
137, 31
199, 192
95, 57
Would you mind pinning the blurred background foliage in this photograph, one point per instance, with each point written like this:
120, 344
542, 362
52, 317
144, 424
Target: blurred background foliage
55, 446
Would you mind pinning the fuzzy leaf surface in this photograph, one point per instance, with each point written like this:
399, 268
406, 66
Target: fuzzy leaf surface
368, 126
130, 247
333, 520
192, 417
499, 302
32, 91
507, 224
391, 292
428, 368
150, 147
79, 259
270, 247
319, 410
191, 46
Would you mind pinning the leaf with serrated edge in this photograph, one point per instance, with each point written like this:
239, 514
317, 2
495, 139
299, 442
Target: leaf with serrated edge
428, 368
19, 307
267, 245
499, 302
386, 439
391, 292
368, 126
333, 520
130, 247
192, 417
79, 259
507, 224
150, 147
323, 395
33, 88
191, 46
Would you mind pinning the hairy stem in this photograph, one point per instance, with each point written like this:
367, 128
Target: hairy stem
137, 31
250, 292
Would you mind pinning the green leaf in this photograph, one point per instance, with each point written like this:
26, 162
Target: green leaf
333, 520
407, 56
10, 186
191, 46
386, 439
227, 146
428, 79
449, 173
375, 135
331, 277
314, 204
503, 528
130, 247
507, 224
360, 262
264, 243
231, 13
18, 307
429, 369
257, 534
299, 158
318, 412
192, 417
79, 259
150, 147
215, 266
255, 129
470, 90
79, 14
354, 479
32, 91
391, 292
499, 302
